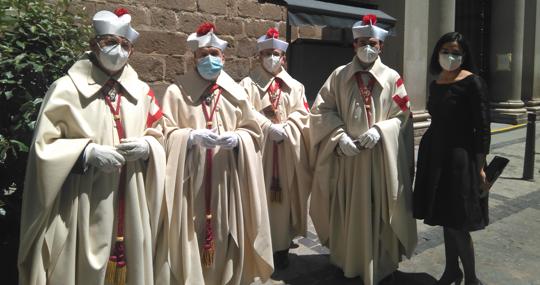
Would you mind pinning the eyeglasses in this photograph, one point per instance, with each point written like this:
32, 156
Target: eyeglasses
205, 51
111, 40
266, 53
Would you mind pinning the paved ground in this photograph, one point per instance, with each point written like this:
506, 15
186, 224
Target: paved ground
507, 251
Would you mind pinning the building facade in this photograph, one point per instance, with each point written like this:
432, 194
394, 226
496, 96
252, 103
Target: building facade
504, 36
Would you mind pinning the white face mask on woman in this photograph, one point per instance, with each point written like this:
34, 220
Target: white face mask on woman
113, 57
367, 53
450, 62
272, 63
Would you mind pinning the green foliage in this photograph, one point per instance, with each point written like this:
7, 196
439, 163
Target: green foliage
39, 40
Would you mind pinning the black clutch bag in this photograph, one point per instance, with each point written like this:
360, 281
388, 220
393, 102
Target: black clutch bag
494, 170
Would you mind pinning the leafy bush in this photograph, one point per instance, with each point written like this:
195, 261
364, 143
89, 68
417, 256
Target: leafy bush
39, 40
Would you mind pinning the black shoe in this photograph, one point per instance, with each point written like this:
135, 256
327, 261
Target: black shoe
453, 278
394, 278
388, 280
477, 282
281, 259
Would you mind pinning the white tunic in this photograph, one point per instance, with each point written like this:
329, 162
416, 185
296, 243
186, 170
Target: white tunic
361, 205
288, 217
68, 219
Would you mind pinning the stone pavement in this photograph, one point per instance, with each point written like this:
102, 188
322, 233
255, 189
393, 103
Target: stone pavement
507, 251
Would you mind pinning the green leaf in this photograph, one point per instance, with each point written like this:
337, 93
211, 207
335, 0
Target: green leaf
8, 94
37, 67
20, 57
31, 125
3, 155
38, 41
26, 107
8, 81
19, 145
20, 44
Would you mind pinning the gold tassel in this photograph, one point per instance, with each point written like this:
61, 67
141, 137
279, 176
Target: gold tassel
275, 196
208, 255
111, 270
275, 190
121, 272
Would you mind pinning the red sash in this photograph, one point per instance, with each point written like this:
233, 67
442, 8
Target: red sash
117, 266
366, 93
209, 245
274, 92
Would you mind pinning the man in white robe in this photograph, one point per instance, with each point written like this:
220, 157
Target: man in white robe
219, 230
284, 119
92, 143
361, 195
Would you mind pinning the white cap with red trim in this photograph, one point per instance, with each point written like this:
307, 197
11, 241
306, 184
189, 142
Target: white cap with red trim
367, 28
205, 37
117, 23
271, 40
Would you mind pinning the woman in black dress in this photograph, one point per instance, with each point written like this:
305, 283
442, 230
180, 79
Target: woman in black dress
452, 154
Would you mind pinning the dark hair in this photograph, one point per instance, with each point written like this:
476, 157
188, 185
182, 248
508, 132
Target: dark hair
467, 64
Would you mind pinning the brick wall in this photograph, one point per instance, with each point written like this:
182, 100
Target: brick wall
161, 53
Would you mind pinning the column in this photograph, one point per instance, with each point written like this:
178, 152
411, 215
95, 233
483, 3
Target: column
532, 100
442, 18
421, 32
506, 61
415, 62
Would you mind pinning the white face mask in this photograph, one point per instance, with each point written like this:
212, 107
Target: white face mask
450, 62
113, 57
272, 63
367, 53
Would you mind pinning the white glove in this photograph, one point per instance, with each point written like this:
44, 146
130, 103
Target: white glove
276, 132
347, 146
228, 140
133, 148
370, 138
103, 157
203, 137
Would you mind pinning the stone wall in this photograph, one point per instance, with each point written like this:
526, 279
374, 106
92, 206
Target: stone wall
161, 53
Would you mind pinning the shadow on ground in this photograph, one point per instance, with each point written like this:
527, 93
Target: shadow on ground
512, 178
317, 270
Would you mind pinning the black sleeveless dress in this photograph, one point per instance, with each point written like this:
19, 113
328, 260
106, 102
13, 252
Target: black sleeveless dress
446, 190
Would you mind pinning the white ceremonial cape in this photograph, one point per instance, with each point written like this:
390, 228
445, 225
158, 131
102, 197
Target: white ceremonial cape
288, 218
361, 205
68, 220
243, 249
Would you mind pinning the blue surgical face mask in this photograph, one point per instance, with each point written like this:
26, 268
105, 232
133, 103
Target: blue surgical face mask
209, 67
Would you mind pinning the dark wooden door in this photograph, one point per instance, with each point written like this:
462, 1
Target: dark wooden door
472, 20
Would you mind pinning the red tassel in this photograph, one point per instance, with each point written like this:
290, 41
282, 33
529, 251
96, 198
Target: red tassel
272, 33
204, 28
121, 11
369, 19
